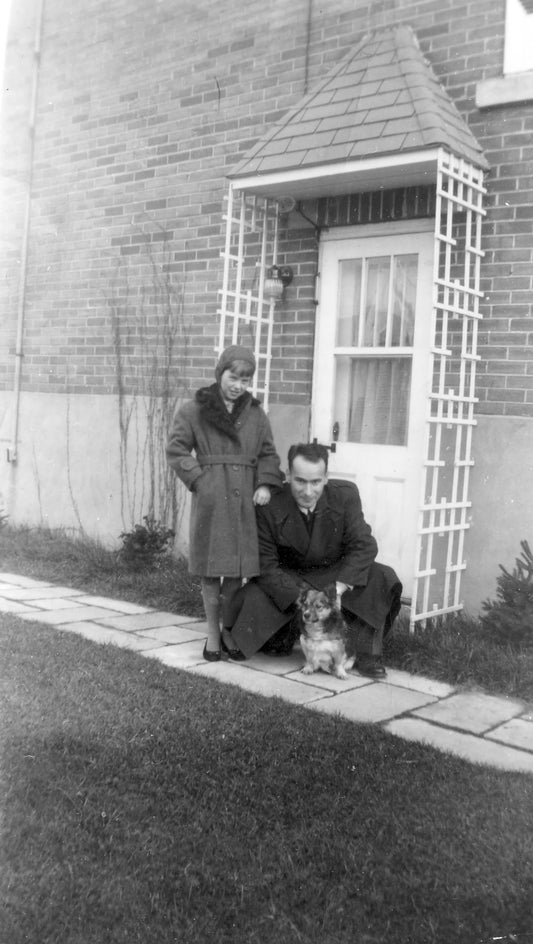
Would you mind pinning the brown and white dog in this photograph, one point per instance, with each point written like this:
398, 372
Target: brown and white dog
324, 633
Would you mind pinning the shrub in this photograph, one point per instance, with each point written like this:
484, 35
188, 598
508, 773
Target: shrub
509, 619
144, 544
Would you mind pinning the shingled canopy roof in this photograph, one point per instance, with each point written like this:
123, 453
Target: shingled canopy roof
380, 111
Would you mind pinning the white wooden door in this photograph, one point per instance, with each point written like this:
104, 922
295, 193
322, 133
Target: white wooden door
371, 375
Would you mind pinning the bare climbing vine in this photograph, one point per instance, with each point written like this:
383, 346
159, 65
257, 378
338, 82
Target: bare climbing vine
150, 346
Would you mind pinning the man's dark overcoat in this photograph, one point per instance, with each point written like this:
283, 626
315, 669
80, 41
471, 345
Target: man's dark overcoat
340, 547
222, 458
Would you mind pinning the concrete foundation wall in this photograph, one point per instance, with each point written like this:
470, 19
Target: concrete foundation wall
70, 474
75, 469
502, 510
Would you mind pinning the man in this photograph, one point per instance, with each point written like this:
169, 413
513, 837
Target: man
313, 533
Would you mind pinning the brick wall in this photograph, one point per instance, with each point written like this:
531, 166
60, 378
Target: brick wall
144, 108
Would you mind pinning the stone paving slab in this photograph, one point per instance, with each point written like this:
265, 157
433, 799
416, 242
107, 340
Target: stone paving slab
259, 683
190, 621
471, 711
518, 732
141, 621
374, 703
73, 614
419, 683
14, 606
276, 665
18, 581
477, 750
104, 636
120, 606
56, 603
38, 593
285, 666
172, 634
182, 656
330, 682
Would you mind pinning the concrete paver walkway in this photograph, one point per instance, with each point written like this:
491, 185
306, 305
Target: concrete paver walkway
480, 728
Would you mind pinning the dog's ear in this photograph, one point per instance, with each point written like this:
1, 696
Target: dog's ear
331, 592
302, 595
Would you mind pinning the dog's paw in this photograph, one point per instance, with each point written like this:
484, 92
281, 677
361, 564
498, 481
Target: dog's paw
307, 670
341, 673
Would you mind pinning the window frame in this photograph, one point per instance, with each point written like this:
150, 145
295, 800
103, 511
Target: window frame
516, 82
518, 42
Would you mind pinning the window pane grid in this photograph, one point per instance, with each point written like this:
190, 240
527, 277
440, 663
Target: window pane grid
373, 354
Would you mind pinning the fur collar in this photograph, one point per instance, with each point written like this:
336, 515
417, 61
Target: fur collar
213, 410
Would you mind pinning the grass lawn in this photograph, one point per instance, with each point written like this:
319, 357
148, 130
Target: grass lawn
143, 805
458, 651
82, 563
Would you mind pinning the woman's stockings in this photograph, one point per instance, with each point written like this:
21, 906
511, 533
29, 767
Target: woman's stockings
217, 603
230, 586
211, 597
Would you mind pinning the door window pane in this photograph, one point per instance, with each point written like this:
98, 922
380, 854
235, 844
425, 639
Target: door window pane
403, 300
387, 304
376, 301
350, 272
376, 309
372, 399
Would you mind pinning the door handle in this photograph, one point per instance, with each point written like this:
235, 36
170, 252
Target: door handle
335, 433
332, 447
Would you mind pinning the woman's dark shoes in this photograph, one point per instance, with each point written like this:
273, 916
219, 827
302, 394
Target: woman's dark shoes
212, 655
234, 654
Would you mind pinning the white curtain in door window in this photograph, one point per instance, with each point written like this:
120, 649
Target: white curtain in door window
376, 303
372, 395
350, 287
402, 322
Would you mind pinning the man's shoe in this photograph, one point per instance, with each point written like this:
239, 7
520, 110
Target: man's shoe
234, 653
371, 666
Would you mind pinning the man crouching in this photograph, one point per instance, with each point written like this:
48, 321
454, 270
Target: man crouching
313, 533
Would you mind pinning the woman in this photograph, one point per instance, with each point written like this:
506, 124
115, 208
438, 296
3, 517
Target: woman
221, 447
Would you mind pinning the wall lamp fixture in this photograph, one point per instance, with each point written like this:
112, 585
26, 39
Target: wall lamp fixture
276, 280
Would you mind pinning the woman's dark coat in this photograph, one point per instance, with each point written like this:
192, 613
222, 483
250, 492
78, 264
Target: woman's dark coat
233, 454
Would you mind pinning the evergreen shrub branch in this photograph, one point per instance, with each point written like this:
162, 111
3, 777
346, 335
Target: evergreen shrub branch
508, 620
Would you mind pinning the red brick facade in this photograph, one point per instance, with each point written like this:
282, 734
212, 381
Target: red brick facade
142, 110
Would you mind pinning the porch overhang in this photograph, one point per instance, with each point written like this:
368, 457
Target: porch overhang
383, 172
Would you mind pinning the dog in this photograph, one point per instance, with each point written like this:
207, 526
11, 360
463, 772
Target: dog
324, 633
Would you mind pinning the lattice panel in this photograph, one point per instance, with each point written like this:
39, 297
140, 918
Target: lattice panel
445, 506
246, 311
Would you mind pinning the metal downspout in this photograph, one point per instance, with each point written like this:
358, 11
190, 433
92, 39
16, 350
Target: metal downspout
308, 44
12, 452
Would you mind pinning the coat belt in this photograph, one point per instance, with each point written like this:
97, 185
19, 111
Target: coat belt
228, 459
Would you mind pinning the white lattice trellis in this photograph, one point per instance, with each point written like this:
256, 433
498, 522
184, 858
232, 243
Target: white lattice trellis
246, 312
444, 508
